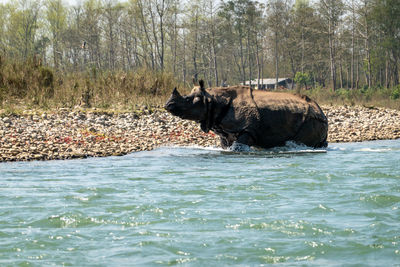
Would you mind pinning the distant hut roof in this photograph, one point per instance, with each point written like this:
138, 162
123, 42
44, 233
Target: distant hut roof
268, 81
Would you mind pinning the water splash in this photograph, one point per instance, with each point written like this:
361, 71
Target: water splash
238, 147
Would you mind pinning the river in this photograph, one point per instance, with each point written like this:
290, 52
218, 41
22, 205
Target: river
197, 207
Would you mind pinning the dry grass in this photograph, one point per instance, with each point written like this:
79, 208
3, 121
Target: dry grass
368, 97
29, 85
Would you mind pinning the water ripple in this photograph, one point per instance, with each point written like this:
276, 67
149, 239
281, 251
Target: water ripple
193, 206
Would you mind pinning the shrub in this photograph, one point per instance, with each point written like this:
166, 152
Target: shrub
302, 79
46, 81
395, 93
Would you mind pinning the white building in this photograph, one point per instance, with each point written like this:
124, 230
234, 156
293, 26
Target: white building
270, 83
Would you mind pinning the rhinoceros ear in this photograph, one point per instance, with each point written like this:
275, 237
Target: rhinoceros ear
175, 92
201, 83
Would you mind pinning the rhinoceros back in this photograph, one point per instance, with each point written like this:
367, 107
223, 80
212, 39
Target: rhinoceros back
286, 116
273, 118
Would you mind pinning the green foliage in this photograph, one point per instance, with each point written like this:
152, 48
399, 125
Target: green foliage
299, 4
105, 52
343, 93
302, 79
395, 93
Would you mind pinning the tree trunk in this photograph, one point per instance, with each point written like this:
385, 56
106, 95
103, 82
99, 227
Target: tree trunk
55, 49
194, 55
184, 59
352, 47
154, 31
161, 12
262, 67
249, 56
146, 32
302, 52
214, 53
276, 61
258, 64
332, 56
395, 69
111, 45
357, 70
340, 73
175, 39
369, 81
242, 59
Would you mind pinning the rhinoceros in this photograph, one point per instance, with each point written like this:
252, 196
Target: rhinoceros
252, 117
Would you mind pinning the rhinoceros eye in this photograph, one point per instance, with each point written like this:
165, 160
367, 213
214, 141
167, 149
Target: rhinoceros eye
196, 99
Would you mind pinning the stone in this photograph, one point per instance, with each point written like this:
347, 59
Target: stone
7, 120
68, 133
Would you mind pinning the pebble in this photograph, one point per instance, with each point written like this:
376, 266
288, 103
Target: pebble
67, 134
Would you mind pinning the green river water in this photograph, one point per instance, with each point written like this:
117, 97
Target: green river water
198, 207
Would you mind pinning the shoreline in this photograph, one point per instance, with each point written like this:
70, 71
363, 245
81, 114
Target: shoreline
68, 133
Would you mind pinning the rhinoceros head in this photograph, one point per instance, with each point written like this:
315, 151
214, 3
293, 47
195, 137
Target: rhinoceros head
190, 107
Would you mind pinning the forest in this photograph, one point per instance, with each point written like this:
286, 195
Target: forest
102, 49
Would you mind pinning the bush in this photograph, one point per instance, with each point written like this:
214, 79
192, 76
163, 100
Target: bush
302, 79
395, 93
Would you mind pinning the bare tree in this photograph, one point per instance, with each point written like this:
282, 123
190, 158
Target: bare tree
56, 17
331, 11
277, 11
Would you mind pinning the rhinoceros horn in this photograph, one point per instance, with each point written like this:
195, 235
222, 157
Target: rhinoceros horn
174, 100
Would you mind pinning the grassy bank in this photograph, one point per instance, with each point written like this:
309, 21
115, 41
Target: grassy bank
29, 85
368, 97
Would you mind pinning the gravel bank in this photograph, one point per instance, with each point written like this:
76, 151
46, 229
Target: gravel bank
67, 134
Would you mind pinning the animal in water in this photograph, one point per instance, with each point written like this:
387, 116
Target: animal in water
239, 114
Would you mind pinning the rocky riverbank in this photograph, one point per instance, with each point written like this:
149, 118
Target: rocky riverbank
67, 134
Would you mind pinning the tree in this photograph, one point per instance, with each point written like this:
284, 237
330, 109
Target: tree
193, 27
158, 10
365, 32
386, 15
232, 13
56, 18
352, 9
73, 40
112, 12
22, 27
253, 18
277, 21
335, 41
240, 19
331, 12
3, 23
302, 79
91, 33
305, 45
212, 24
